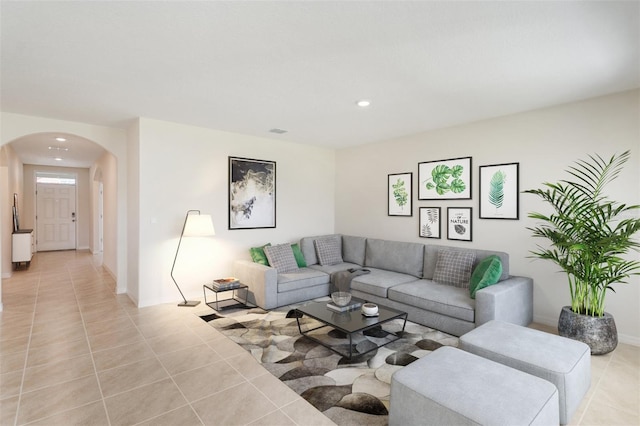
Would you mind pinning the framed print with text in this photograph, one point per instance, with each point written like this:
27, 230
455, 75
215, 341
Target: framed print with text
445, 179
459, 223
252, 193
499, 191
399, 194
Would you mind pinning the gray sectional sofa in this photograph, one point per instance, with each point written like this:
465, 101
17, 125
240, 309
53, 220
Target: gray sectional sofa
401, 277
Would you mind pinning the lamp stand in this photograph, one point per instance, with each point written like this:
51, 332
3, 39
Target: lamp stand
187, 303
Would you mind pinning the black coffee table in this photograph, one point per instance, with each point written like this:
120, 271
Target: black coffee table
349, 323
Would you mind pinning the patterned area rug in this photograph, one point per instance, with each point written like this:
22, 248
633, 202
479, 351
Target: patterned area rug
347, 391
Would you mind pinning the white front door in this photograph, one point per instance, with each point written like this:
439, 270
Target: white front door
55, 217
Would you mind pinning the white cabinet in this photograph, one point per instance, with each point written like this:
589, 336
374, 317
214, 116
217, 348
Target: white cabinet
22, 246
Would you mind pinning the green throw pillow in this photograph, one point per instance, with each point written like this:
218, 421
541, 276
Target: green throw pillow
297, 253
487, 273
258, 256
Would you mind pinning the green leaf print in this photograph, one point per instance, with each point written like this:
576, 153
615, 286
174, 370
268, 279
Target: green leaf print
440, 179
400, 193
496, 188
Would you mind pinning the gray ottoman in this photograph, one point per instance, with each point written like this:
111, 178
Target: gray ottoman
564, 362
453, 387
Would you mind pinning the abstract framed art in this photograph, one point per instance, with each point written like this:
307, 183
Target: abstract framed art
252, 193
459, 223
429, 222
499, 191
399, 194
445, 179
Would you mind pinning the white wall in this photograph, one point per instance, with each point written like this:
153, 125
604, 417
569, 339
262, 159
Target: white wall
113, 140
133, 211
544, 142
107, 164
184, 167
11, 182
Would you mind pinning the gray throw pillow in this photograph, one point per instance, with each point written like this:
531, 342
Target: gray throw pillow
454, 268
281, 257
329, 251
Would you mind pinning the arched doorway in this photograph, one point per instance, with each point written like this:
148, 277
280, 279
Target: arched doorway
102, 220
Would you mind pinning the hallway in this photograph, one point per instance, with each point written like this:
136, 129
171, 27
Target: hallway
74, 352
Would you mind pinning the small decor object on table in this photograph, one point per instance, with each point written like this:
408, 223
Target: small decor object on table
342, 302
226, 283
370, 310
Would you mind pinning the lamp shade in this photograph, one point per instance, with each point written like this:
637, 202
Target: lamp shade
199, 225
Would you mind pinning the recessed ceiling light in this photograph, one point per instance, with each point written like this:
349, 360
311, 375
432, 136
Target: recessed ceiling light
61, 139
363, 103
58, 159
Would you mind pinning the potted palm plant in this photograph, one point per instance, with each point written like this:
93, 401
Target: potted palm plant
589, 237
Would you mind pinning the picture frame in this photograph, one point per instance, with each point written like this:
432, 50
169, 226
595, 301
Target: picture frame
429, 222
252, 193
16, 224
445, 179
459, 223
399, 194
499, 186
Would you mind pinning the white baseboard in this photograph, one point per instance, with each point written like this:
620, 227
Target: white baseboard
6, 275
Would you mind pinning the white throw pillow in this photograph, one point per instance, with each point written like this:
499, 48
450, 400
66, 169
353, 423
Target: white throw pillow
329, 251
454, 268
281, 257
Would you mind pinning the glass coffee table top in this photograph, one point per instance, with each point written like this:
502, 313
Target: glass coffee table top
353, 323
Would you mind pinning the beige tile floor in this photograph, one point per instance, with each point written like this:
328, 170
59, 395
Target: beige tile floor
74, 352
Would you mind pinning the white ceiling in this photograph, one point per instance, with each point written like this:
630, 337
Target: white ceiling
248, 67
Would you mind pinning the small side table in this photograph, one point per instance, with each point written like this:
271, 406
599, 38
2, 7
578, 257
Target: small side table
234, 302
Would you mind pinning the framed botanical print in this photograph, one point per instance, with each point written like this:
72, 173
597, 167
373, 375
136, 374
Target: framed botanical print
429, 222
499, 191
459, 223
399, 194
445, 179
252, 193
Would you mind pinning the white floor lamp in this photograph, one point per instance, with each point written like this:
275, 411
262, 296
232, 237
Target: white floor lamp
195, 225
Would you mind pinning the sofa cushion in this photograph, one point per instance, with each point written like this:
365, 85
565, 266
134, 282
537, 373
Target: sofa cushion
301, 278
406, 258
454, 268
431, 258
379, 281
329, 251
485, 274
353, 249
439, 298
281, 257
308, 247
258, 255
297, 254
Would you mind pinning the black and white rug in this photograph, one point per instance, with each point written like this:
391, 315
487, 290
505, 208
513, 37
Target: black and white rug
347, 391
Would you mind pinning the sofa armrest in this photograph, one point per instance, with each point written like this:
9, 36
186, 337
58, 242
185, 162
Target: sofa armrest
262, 281
510, 300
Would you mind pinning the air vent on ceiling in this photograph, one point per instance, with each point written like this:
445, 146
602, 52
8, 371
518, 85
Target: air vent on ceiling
278, 131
